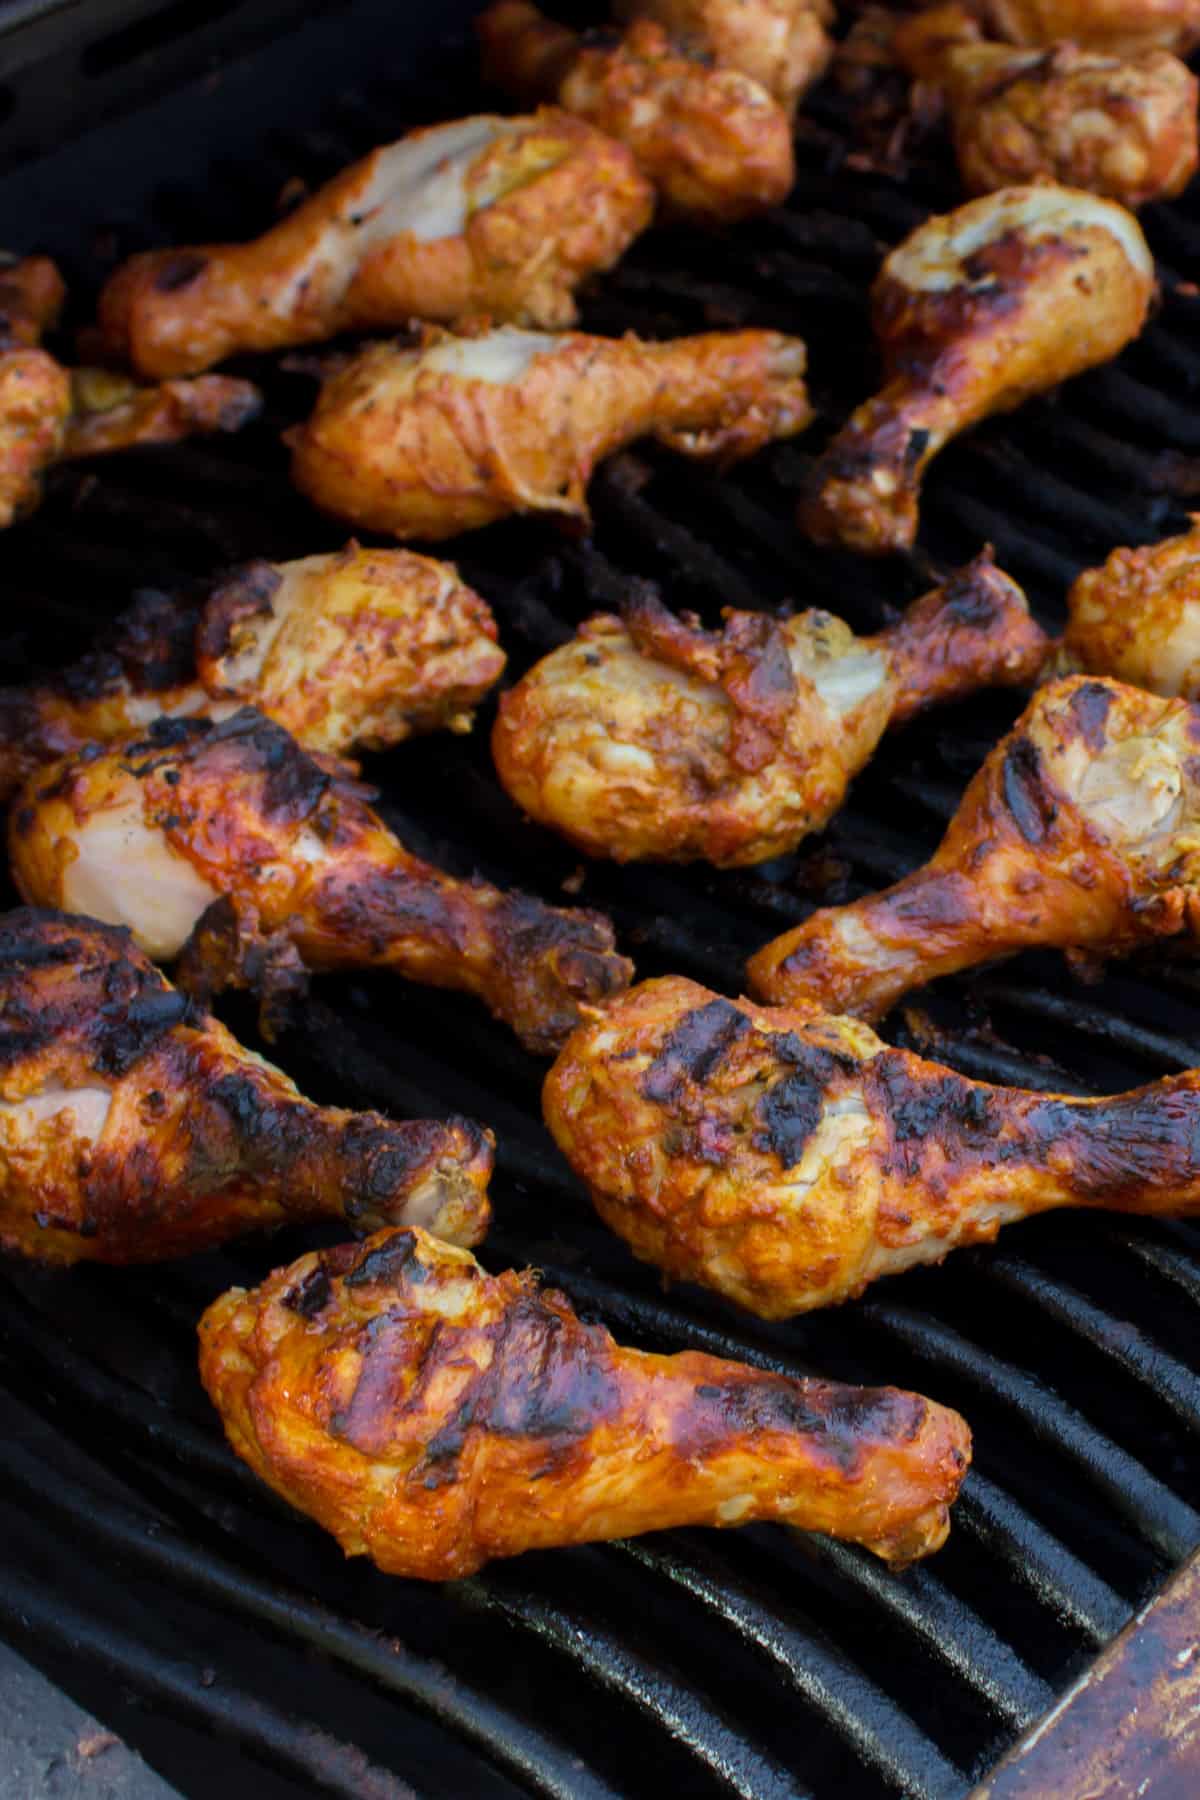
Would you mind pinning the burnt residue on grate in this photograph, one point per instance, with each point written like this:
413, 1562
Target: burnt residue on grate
140, 1556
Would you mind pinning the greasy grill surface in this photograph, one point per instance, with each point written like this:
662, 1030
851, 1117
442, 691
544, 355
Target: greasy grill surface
146, 1567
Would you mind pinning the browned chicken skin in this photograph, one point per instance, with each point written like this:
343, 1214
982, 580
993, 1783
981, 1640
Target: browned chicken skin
428, 442
1138, 617
153, 834
134, 1127
50, 414
787, 1157
434, 1417
1121, 27
784, 45
1079, 832
649, 737
502, 217
975, 312
1123, 127
714, 143
355, 650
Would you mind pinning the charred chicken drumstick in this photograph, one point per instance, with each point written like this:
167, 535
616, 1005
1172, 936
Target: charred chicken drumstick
784, 45
649, 737
787, 1157
975, 312
151, 834
1078, 833
428, 442
51, 414
503, 217
134, 1127
356, 650
1124, 127
1138, 617
434, 1417
714, 143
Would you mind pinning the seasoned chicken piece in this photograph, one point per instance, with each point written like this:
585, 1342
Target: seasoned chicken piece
50, 414
134, 1127
429, 442
152, 834
714, 143
356, 650
784, 45
433, 1417
649, 737
1121, 127
503, 217
976, 311
787, 1157
1080, 832
1138, 617
1121, 27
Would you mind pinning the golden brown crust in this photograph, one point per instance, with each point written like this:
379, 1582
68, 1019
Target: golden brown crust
133, 1127
537, 204
426, 443
1138, 616
975, 312
413, 1405
239, 810
648, 737
1079, 832
786, 1157
109, 412
784, 45
35, 392
1121, 27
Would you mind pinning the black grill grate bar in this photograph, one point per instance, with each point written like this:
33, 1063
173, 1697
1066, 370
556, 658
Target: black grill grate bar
322, 1762
673, 548
1069, 1011
161, 1553
1172, 1265
1164, 1520
650, 1685
986, 1060
883, 1735
1035, 563
1016, 481
1152, 416
1160, 1373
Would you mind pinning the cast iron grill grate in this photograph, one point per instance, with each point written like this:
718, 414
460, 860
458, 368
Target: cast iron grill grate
147, 1568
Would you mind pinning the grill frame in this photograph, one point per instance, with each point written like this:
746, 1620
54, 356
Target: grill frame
120, 1481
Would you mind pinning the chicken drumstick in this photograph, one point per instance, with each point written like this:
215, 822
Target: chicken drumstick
1079, 832
134, 1127
151, 834
1138, 616
784, 45
976, 311
649, 737
1122, 27
433, 1417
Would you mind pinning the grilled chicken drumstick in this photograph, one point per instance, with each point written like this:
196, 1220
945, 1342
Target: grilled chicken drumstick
1122, 27
976, 311
787, 1157
784, 45
428, 442
1078, 833
50, 414
356, 650
1138, 616
134, 1127
1124, 127
649, 737
503, 217
714, 143
434, 1417
152, 833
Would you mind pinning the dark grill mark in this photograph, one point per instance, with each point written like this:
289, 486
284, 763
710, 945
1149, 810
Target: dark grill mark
693, 1049
311, 1295
789, 1114
1033, 812
1090, 707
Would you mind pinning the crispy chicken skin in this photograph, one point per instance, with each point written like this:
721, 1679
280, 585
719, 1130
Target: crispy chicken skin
1121, 27
110, 412
134, 1127
151, 834
714, 142
434, 1417
784, 45
1078, 833
649, 737
976, 311
355, 650
503, 217
1138, 617
787, 1157
1123, 127
428, 442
